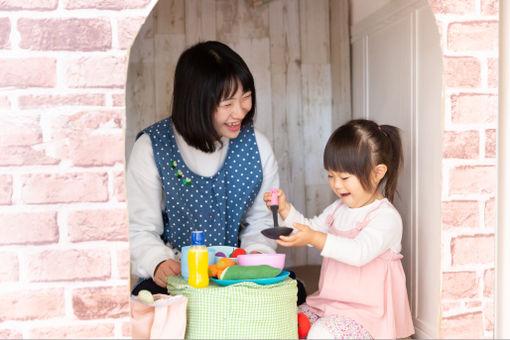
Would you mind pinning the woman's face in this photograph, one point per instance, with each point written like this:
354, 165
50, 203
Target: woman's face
230, 113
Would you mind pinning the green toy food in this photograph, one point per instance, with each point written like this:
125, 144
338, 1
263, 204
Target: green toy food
249, 272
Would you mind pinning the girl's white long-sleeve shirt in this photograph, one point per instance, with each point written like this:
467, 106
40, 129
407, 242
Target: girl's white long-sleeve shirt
146, 201
383, 232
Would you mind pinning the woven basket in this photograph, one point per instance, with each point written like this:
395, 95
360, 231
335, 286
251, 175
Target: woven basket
240, 311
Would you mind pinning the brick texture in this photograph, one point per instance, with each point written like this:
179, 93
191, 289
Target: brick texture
32, 304
474, 108
490, 7
464, 144
119, 186
7, 333
460, 214
460, 285
465, 180
5, 31
35, 5
490, 143
101, 302
102, 330
64, 188
473, 36
25, 155
490, 213
492, 72
123, 263
65, 34
9, 271
462, 72
127, 31
119, 100
50, 100
28, 228
467, 326
74, 332
488, 316
86, 121
469, 250
94, 72
5, 102
96, 225
89, 150
488, 283
5, 189
19, 130
69, 265
28, 72
453, 6
126, 329
101, 4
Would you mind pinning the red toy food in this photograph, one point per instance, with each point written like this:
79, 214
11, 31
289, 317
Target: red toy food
238, 251
303, 325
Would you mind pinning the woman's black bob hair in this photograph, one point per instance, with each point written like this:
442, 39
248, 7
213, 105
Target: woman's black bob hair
207, 73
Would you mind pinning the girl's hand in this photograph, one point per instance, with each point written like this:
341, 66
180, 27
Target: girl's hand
304, 236
283, 204
164, 269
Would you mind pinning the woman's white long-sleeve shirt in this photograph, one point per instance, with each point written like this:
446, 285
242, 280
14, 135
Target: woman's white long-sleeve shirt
146, 200
383, 232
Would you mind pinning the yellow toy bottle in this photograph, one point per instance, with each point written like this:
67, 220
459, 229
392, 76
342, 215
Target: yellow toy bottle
198, 261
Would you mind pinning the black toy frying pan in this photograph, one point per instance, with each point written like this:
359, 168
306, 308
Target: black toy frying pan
275, 232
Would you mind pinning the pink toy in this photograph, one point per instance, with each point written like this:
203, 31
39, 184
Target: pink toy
275, 232
273, 260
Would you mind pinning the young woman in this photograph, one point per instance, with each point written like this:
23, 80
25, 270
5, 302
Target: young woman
203, 168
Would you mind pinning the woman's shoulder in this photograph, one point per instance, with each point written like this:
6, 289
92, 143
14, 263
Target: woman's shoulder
261, 138
265, 147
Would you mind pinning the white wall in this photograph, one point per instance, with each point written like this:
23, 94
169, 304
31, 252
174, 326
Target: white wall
397, 70
360, 9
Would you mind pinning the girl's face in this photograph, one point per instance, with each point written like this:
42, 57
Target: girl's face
230, 113
348, 187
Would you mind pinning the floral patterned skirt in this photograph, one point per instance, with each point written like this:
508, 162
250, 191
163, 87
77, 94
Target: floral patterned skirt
333, 326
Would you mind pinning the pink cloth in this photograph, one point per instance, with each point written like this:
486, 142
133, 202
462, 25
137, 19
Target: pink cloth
374, 295
163, 319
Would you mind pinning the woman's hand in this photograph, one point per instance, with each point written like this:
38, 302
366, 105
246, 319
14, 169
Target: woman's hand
164, 269
304, 236
283, 204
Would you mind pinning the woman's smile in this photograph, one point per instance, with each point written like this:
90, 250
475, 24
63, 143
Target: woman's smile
234, 127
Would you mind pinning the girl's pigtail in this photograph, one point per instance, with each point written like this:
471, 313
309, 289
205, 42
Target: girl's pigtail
396, 160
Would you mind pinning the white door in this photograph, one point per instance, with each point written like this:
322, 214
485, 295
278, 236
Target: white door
396, 79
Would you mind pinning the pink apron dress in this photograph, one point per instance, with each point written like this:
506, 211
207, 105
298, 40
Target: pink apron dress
374, 294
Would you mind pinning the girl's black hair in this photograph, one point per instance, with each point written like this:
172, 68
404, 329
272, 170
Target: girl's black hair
207, 73
359, 145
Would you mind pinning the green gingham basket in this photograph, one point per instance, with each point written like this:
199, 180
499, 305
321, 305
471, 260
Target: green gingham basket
241, 311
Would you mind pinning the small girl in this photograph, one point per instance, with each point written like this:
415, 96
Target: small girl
362, 291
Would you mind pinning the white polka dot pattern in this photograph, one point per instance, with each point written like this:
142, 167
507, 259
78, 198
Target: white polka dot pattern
213, 204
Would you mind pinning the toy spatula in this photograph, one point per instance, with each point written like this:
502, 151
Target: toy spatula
275, 232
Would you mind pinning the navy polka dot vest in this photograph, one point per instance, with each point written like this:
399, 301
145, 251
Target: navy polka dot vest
213, 204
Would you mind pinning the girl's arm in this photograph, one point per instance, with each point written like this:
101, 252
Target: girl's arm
317, 223
382, 233
259, 217
145, 203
